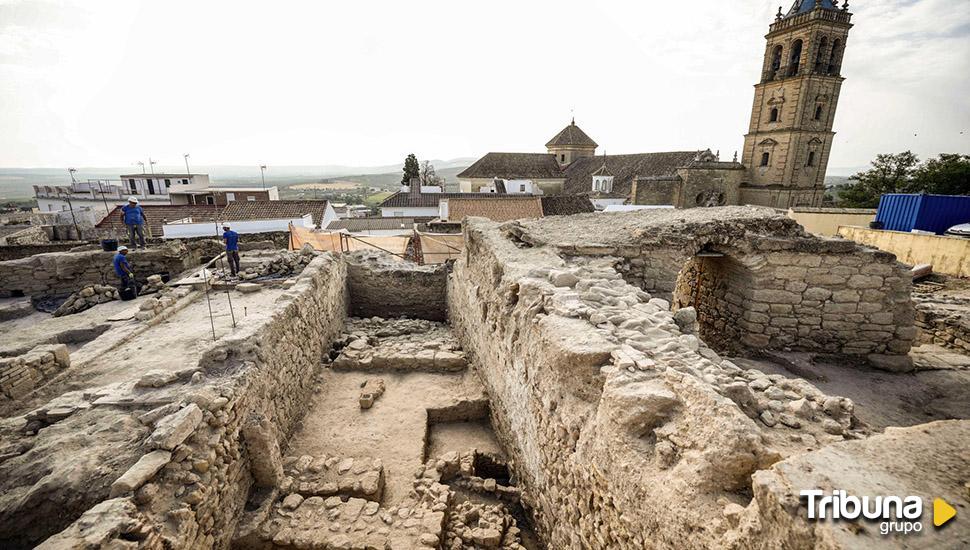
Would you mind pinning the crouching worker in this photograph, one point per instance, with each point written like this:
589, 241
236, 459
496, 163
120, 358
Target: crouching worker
231, 239
123, 269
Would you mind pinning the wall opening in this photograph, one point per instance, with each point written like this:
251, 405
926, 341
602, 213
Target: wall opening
713, 283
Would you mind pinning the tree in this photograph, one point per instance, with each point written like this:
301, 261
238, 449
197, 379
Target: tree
947, 175
890, 173
428, 175
411, 169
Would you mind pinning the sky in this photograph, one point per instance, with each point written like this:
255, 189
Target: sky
109, 83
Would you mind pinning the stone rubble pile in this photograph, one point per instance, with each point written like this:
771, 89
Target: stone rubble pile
283, 265
398, 345
86, 298
370, 390
651, 340
156, 305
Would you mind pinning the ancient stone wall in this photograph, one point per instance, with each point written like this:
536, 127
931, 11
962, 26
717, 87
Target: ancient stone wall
776, 286
65, 272
21, 374
9, 252
624, 429
383, 285
204, 453
944, 324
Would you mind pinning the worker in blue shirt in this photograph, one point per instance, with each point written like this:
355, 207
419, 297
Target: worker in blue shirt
231, 239
134, 217
123, 269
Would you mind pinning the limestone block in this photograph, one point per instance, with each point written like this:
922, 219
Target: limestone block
370, 391
172, 430
143, 470
247, 288
263, 448
894, 363
156, 379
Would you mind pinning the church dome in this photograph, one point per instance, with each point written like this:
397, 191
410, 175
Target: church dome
804, 6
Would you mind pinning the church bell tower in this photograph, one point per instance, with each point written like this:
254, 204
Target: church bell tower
786, 149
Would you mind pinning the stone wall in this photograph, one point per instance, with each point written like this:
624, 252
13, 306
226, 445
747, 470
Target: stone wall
766, 283
22, 251
382, 285
944, 321
19, 375
205, 453
623, 429
65, 272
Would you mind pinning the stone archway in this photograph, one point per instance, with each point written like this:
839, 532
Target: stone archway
715, 284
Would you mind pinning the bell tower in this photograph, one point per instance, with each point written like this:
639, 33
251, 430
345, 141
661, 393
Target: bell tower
786, 149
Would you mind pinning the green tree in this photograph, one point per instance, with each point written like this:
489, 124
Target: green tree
411, 169
947, 175
890, 173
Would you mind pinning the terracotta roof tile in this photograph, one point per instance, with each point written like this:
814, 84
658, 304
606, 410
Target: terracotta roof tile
566, 205
514, 166
271, 210
571, 135
156, 215
495, 209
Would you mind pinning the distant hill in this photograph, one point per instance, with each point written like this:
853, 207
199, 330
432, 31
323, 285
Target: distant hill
17, 183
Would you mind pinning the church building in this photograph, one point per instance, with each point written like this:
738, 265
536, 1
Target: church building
785, 153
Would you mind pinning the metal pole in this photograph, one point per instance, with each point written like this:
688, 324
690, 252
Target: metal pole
205, 280
104, 200
262, 174
187, 171
222, 266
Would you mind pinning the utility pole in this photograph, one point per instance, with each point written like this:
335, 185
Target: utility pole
187, 171
142, 164
262, 174
151, 164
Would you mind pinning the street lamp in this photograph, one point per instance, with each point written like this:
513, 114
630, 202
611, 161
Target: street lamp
187, 171
152, 164
262, 174
142, 164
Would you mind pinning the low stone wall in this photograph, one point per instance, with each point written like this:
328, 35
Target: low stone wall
382, 285
65, 272
9, 252
826, 221
21, 374
205, 453
943, 324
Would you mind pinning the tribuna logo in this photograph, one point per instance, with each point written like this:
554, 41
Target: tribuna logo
896, 514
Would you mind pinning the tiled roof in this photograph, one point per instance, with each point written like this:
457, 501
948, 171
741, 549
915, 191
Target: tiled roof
579, 173
495, 209
802, 6
156, 215
514, 166
404, 199
571, 135
273, 210
375, 224
565, 205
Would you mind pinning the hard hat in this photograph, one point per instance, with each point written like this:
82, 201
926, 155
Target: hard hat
122, 247
133, 199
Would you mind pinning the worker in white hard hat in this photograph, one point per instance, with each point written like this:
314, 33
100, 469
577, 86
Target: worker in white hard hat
231, 238
134, 217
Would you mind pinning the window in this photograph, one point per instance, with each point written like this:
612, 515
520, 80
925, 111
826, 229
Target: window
775, 62
151, 187
132, 186
562, 158
820, 54
168, 183
210, 200
251, 198
185, 182
230, 197
795, 59
521, 188
774, 115
811, 159
765, 157
818, 112
834, 57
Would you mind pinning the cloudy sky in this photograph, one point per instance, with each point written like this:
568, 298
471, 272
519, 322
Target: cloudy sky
107, 83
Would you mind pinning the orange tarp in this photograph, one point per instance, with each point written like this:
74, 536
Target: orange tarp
438, 247
323, 241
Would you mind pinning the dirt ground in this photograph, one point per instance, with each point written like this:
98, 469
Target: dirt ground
394, 429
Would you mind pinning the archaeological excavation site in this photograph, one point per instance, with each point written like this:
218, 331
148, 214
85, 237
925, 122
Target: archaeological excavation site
669, 379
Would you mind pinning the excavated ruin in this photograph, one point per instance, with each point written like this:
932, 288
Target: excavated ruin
556, 387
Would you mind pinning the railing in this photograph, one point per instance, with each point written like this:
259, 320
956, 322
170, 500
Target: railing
837, 16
